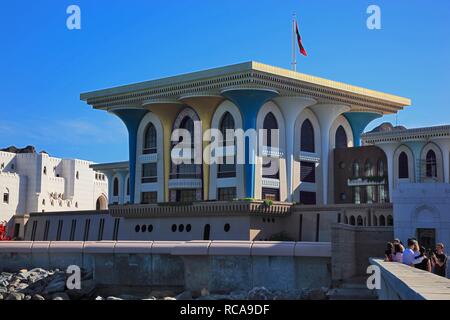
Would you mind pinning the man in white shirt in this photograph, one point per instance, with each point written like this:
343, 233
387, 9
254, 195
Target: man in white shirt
409, 256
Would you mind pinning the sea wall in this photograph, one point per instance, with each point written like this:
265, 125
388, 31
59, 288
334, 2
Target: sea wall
218, 266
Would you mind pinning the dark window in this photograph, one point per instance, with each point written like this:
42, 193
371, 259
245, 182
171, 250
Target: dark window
227, 227
227, 194
188, 228
270, 194
307, 137
150, 228
149, 173
6, 197
207, 232
431, 166
227, 123
59, 231
352, 220
360, 221
137, 228
341, 138
101, 228
150, 140
116, 229
128, 186
356, 172
390, 221
308, 198
144, 228
181, 228
87, 227
33, 231
382, 221
174, 228
46, 229
73, 228
226, 170
116, 187
270, 123
368, 169
381, 168
308, 172
149, 197
403, 166
188, 195
16, 230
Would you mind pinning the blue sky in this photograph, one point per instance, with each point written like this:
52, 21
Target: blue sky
44, 66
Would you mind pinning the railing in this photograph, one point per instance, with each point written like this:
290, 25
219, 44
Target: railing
216, 208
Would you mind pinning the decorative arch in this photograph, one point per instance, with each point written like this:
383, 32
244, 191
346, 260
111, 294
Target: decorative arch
101, 203
149, 120
341, 126
226, 107
405, 150
382, 221
352, 220
116, 186
307, 114
433, 169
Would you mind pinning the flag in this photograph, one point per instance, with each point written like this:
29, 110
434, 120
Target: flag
299, 40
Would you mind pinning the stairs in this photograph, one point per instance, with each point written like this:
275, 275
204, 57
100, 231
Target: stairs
352, 289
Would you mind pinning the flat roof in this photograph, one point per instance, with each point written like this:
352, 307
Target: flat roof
123, 165
299, 78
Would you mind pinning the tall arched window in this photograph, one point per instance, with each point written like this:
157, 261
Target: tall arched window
341, 141
307, 137
355, 168
227, 170
382, 221
116, 187
368, 169
150, 140
403, 166
128, 186
270, 123
431, 166
381, 168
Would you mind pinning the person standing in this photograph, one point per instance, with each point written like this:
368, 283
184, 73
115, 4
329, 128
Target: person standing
425, 264
439, 261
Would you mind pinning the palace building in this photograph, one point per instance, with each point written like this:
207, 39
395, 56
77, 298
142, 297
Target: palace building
325, 175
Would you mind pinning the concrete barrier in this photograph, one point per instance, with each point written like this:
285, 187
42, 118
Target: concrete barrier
400, 282
218, 266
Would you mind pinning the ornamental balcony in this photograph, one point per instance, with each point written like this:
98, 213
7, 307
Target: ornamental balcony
212, 208
366, 181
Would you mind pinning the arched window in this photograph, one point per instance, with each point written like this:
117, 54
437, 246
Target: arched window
390, 221
346, 220
352, 220
307, 137
360, 221
368, 169
403, 166
128, 186
270, 123
431, 166
381, 168
382, 221
375, 221
356, 169
227, 123
188, 124
150, 140
341, 141
101, 203
227, 170
116, 187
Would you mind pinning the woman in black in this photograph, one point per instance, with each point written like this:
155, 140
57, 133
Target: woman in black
425, 265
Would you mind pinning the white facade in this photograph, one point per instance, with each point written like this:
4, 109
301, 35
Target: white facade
32, 182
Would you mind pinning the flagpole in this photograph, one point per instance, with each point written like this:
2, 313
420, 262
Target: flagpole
294, 51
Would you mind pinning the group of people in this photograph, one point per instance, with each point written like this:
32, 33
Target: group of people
417, 256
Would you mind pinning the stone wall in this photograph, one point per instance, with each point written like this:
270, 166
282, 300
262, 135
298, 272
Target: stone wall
353, 246
218, 266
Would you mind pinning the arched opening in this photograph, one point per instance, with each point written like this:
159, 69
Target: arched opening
375, 221
403, 166
207, 232
228, 168
270, 123
368, 169
355, 168
116, 187
307, 143
150, 138
382, 221
352, 220
101, 204
390, 221
431, 164
346, 220
360, 221
341, 140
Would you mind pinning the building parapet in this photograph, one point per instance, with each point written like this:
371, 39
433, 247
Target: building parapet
408, 134
341, 207
401, 282
216, 208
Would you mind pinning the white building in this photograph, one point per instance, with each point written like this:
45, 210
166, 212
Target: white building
32, 182
419, 175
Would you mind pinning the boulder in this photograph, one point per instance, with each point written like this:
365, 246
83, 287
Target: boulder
111, 298
60, 296
15, 296
260, 293
186, 295
169, 298
37, 297
162, 294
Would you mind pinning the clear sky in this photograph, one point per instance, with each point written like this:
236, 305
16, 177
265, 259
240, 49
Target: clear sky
44, 66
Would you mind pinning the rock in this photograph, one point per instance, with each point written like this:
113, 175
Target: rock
169, 298
37, 297
128, 297
150, 298
317, 294
15, 296
204, 292
1, 296
113, 298
56, 284
27, 297
259, 293
162, 294
186, 295
99, 298
60, 296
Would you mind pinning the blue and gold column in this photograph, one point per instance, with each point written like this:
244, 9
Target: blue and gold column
131, 117
249, 102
